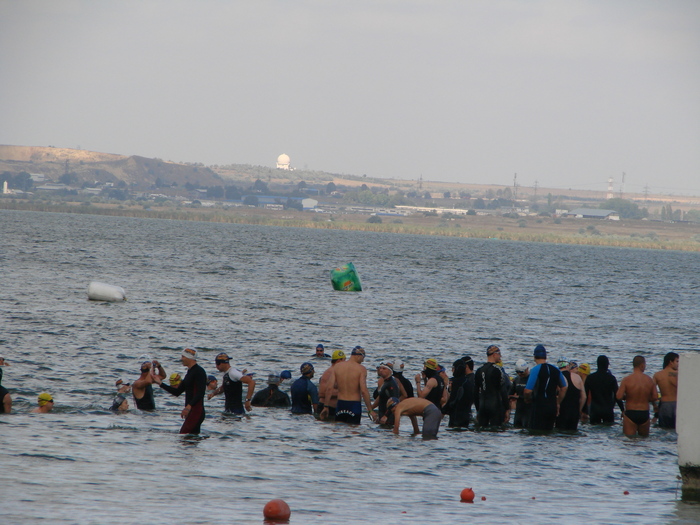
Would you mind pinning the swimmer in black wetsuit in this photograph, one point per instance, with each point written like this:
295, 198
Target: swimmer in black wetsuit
491, 387
142, 388
194, 385
434, 386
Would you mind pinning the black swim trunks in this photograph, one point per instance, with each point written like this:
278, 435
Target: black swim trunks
348, 412
638, 417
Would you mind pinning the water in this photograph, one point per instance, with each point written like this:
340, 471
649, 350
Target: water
263, 295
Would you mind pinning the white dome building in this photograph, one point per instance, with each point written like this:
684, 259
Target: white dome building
283, 162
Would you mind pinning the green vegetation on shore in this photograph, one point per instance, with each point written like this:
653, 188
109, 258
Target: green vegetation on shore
442, 228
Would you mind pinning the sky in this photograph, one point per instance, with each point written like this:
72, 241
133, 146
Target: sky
565, 94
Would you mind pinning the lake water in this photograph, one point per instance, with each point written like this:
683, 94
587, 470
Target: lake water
263, 295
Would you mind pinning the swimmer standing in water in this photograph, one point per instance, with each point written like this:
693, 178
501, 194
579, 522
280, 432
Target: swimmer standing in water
350, 377
637, 390
142, 388
194, 385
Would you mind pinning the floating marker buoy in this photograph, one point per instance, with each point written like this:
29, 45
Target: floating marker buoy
626, 493
277, 510
346, 279
98, 291
467, 495
483, 498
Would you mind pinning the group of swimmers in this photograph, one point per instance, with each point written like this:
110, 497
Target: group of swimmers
540, 398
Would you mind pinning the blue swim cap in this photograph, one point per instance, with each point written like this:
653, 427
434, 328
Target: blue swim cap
540, 352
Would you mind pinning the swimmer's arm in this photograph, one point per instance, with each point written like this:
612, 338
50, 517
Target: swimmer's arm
251, 388
620, 395
7, 402
161, 370
428, 387
397, 419
527, 395
414, 421
403, 395
216, 392
562, 393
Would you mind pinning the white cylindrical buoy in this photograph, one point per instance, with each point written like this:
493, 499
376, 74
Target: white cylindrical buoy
688, 425
98, 291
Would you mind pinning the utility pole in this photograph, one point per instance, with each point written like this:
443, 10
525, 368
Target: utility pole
622, 186
646, 193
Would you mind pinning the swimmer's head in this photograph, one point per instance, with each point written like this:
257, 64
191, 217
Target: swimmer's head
584, 368
521, 366
562, 363
221, 359
540, 352
189, 353
358, 350
603, 362
273, 379
145, 366
44, 398
211, 379
431, 364
306, 369
338, 355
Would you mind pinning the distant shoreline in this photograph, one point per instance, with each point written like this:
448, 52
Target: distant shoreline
685, 237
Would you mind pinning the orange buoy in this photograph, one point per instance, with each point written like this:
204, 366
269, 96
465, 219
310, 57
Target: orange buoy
277, 510
467, 495
626, 492
483, 498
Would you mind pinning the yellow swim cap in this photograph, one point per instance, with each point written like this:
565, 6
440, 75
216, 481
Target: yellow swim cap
45, 398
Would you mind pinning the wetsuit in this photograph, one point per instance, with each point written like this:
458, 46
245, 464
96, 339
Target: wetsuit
147, 402
407, 386
601, 386
522, 409
490, 395
233, 391
194, 385
390, 388
304, 396
543, 381
569, 411
348, 412
435, 394
3, 393
459, 406
271, 396
667, 414
432, 416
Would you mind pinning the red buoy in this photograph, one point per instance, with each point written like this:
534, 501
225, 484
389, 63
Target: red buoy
483, 498
277, 510
626, 492
467, 495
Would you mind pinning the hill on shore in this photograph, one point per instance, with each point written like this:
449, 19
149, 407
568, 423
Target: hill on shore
90, 166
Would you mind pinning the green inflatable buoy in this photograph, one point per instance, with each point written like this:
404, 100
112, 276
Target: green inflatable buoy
346, 279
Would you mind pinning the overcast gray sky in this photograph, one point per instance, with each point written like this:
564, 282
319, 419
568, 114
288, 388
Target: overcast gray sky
563, 92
